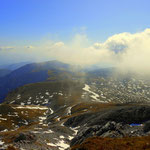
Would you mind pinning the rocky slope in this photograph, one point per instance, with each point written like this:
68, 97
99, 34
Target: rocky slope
41, 127
121, 121
75, 110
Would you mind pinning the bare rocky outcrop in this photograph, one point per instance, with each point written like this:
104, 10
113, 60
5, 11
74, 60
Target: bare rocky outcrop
117, 122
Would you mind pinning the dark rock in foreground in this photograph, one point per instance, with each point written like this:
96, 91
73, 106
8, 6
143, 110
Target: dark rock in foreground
125, 121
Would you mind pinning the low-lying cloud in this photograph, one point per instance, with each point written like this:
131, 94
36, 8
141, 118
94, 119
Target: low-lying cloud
126, 51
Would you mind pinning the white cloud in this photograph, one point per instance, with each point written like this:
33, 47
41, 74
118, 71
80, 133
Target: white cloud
125, 50
5, 48
29, 47
59, 44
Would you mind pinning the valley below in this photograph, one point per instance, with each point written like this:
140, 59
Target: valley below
61, 109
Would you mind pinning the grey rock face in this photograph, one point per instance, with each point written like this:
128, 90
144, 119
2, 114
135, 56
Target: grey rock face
117, 122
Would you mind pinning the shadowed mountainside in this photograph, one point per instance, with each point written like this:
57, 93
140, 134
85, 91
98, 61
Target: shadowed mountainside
33, 73
4, 72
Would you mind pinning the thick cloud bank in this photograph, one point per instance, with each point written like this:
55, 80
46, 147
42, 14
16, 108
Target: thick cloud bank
125, 50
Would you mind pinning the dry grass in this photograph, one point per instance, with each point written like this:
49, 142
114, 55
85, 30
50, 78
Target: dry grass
11, 148
128, 143
31, 115
93, 107
9, 136
85, 107
22, 114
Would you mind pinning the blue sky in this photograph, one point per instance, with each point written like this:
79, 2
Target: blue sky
86, 32
32, 20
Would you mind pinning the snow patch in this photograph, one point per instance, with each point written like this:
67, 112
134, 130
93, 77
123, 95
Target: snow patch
29, 103
75, 130
69, 110
22, 104
86, 88
60, 94
51, 144
62, 145
3, 118
47, 93
45, 101
1, 142
48, 131
51, 111
12, 102
70, 137
94, 95
62, 137
32, 107
4, 130
18, 96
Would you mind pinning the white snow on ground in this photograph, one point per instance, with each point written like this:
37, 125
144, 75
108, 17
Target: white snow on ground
29, 102
48, 131
45, 101
1, 142
31, 107
60, 94
35, 132
18, 96
12, 102
61, 144
51, 110
58, 118
26, 123
41, 119
47, 93
62, 137
71, 137
75, 130
37, 102
38, 128
3, 145
11, 115
3, 118
4, 130
30, 98
41, 97
51, 144
62, 124
69, 110
22, 104
94, 95
16, 113
87, 89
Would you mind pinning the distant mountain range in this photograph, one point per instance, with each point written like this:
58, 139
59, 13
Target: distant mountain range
4, 72
103, 85
35, 72
13, 66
